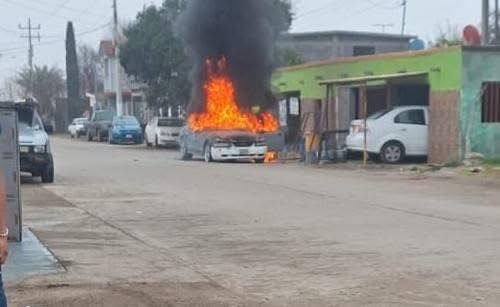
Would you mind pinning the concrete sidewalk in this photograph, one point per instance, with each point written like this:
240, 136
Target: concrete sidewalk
27, 259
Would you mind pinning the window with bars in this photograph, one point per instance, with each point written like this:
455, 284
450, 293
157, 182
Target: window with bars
491, 102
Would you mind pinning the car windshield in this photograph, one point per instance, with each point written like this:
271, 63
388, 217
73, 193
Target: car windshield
126, 122
170, 122
25, 119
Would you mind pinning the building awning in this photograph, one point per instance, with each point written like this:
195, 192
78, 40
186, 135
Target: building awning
365, 79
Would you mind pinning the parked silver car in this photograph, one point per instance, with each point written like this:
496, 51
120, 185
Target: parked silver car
222, 145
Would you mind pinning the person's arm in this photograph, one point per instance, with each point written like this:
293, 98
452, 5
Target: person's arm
3, 221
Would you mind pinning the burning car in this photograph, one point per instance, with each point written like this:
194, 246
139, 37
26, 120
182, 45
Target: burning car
223, 131
223, 145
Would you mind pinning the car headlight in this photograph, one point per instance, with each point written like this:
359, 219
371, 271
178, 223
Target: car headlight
40, 149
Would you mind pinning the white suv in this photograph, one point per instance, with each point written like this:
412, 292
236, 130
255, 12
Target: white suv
392, 133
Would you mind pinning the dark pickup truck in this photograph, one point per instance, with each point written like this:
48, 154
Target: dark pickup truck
99, 125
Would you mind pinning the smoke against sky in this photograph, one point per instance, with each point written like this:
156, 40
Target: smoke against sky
242, 33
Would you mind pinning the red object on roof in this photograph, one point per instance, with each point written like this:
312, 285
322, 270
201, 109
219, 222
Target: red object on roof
472, 36
107, 48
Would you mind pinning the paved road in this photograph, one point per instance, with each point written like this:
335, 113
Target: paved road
137, 227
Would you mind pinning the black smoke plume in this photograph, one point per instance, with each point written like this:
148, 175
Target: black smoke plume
242, 31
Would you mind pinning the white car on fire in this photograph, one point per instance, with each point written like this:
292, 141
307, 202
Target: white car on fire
223, 145
163, 131
393, 133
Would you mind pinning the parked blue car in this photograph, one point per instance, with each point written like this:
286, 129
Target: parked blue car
125, 130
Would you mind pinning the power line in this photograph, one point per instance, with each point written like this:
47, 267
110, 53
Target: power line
313, 11
57, 40
42, 11
373, 5
72, 9
383, 26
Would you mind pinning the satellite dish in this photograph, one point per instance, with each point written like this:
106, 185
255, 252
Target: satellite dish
472, 36
417, 44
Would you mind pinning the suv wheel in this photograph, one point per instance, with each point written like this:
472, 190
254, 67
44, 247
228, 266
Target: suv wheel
48, 174
393, 152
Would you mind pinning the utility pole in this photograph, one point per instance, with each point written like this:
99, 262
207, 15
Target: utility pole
31, 52
116, 40
403, 23
496, 23
383, 26
486, 22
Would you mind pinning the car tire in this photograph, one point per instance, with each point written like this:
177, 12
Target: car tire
48, 174
259, 161
207, 153
146, 138
185, 155
392, 152
110, 138
89, 136
99, 136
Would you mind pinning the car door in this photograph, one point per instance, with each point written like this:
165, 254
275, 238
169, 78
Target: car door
411, 126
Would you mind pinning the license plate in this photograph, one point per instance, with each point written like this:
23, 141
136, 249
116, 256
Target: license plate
129, 136
243, 151
24, 149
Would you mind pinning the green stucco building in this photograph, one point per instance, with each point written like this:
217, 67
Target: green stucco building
461, 86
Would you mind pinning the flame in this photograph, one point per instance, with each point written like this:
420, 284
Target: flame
221, 110
271, 157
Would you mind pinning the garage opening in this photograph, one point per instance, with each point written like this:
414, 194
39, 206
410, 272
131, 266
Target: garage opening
345, 101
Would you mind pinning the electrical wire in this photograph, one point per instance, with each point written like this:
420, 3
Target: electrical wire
374, 5
80, 34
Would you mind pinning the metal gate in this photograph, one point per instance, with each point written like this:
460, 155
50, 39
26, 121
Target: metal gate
9, 164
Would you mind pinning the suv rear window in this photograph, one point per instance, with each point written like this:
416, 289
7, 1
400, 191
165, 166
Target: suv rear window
100, 116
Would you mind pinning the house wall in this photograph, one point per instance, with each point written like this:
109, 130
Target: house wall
480, 66
444, 68
327, 47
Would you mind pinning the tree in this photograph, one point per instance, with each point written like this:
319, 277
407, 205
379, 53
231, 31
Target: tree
155, 56
72, 73
88, 62
450, 36
47, 85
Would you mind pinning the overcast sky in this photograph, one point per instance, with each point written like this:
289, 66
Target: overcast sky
92, 17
